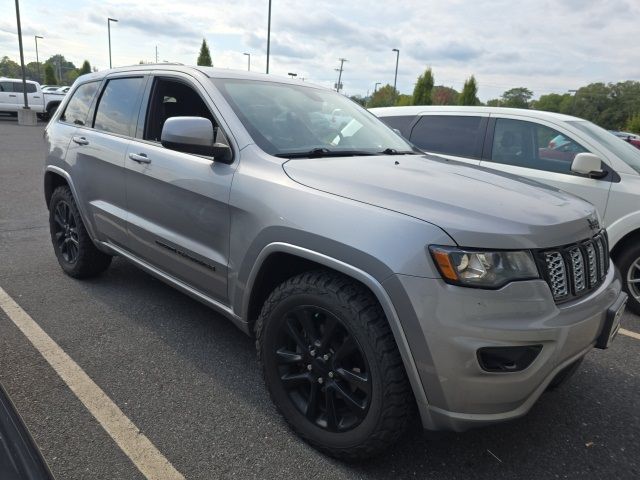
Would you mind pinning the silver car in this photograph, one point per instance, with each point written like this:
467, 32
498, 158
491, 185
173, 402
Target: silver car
375, 279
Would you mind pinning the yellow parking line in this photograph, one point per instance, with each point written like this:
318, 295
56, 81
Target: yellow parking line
629, 333
144, 455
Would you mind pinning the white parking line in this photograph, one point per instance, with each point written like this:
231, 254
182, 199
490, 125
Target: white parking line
144, 455
629, 333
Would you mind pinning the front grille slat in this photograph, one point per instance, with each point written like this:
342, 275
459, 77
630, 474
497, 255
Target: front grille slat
574, 270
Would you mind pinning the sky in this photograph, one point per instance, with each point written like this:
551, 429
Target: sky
544, 45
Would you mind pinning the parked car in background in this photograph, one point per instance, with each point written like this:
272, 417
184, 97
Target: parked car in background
370, 283
563, 151
50, 88
12, 97
63, 89
632, 138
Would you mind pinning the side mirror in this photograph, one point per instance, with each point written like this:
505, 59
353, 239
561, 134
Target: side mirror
194, 135
588, 164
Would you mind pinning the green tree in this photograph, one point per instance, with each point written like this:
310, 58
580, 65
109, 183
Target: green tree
633, 124
423, 89
553, 102
49, 75
359, 99
9, 68
494, 102
403, 100
441, 95
204, 59
469, 95
86, 68
518, 97
383, 97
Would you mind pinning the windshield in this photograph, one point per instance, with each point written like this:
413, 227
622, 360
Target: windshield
287, 119
622, 149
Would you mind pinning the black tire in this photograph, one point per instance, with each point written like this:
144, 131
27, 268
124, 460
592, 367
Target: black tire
361, 328
51, 110
628, 262
76, 253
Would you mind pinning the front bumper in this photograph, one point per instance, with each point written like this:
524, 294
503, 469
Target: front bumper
445, 326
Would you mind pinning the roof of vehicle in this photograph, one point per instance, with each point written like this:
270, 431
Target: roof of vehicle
418, 109
210, 72
17, 80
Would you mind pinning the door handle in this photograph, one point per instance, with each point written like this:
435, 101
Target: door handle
81, 140
139, 157
12, 95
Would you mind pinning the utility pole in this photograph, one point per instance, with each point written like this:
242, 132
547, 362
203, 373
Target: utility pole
37, 58
342, 60
109, 20
268, 36
395, 79
24, 73
156, 53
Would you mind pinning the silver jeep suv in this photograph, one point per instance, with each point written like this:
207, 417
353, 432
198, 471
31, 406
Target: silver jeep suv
375, 279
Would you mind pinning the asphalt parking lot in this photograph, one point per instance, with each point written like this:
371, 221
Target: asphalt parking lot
189, 381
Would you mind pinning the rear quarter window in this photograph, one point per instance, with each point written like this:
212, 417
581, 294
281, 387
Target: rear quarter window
461, 136
79, 104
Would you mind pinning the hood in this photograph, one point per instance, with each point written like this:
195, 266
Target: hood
477, 207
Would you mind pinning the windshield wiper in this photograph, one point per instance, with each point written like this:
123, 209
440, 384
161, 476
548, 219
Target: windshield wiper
393, 151
324, 152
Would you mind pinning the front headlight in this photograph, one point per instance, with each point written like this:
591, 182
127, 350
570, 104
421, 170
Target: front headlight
483, 269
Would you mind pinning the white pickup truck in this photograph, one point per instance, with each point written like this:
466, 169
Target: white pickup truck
12, 99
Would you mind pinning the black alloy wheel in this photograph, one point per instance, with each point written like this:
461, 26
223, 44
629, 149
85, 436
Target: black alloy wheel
66, 232
323, 369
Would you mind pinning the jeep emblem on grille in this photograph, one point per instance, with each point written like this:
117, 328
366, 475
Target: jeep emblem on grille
593, 223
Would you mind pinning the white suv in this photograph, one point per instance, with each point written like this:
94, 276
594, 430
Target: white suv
566, 152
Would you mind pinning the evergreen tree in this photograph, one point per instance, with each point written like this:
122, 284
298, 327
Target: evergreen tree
423, 89
86, 68
204, 59
49, 76
469, 93
383, 97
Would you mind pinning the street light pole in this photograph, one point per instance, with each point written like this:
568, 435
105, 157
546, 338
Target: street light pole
292, 75
24, 74
395, 79
268, 36
109, 20
248, 61
375, 87
342, 60
37, 58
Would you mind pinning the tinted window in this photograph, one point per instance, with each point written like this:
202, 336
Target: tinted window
6, 87
78, 106
168, 99
451, 135
527, 144
117, 108
17, 87
402, 123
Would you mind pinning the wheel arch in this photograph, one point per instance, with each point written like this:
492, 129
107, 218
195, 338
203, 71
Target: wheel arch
630, 238
279, 261
55, 177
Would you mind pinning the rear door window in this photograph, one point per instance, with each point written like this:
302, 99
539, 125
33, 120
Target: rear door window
78, 107
531, 145
18, 88
118, 106
461, 136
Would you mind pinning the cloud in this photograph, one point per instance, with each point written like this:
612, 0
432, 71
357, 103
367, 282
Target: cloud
279, 47
450, 51
152, 24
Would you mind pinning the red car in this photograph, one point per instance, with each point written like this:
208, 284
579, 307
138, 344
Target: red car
632, 138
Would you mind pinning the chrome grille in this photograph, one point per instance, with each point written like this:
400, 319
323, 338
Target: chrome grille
574, 270
577, 267
592, 264
557, 274
601, 256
